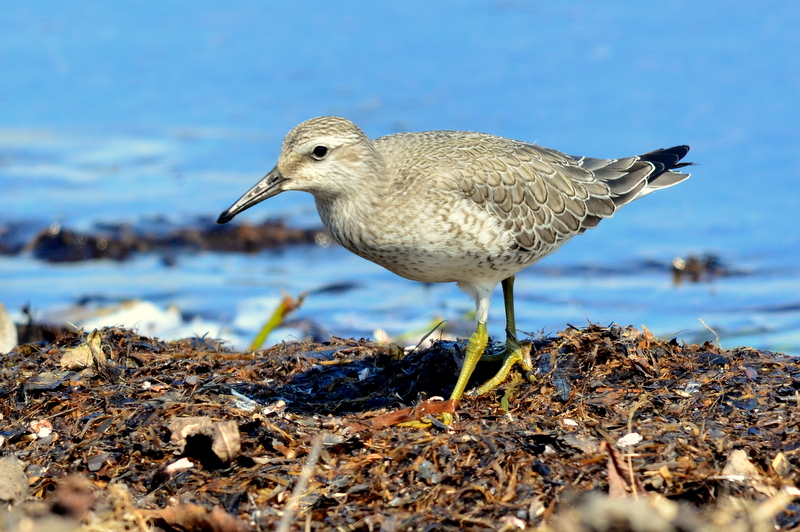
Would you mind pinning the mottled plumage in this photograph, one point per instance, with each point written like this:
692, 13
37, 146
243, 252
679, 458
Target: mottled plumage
453, 206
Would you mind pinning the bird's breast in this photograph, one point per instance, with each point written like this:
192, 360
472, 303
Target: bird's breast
427, 241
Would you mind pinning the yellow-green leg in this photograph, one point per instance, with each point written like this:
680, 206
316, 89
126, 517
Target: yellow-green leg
477, 343
475, 346
514, 353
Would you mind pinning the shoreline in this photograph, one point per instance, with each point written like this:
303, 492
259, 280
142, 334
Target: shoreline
711, 426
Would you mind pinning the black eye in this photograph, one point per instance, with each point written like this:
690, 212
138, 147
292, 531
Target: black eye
319, 152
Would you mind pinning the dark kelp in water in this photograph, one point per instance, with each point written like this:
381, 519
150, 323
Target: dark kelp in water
121, 241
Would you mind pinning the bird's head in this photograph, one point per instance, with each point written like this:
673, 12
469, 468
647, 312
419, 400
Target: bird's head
326, 156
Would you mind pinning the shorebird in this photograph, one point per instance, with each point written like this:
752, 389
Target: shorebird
455, 206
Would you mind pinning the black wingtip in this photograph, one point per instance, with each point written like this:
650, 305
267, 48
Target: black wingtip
668, 157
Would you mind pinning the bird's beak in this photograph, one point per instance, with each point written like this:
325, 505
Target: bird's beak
269, 186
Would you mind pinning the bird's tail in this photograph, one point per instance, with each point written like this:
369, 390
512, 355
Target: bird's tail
633, 177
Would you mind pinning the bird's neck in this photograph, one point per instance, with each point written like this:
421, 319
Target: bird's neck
352, 210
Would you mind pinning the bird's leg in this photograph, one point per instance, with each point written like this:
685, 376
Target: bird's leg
514, 353
511, 323
475, 346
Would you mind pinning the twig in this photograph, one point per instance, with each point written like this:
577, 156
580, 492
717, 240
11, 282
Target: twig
300, 487
719, 344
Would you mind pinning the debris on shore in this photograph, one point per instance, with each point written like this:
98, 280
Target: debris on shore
619, 431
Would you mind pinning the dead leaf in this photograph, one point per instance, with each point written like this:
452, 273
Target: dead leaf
739, 465
621, 481
740, 469
186, 516
781, 465
224, 437
226, 441
86, 355
404, 415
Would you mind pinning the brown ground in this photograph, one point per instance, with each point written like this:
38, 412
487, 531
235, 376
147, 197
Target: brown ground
126, 432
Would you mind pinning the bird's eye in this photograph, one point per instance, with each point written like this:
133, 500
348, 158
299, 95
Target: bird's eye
319, 152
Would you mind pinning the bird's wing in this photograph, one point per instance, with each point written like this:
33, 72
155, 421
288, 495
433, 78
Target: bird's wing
545, 197
542, 196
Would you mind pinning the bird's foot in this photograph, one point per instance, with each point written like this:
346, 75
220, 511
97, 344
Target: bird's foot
447, 419
515, 354
430, 421
416, 424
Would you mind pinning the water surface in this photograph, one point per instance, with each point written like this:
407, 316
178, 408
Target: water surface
124, 112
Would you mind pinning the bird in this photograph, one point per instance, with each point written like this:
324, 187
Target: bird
456, 206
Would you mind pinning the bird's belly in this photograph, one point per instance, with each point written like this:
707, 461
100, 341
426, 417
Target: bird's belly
454, 243
433, 268
432, 260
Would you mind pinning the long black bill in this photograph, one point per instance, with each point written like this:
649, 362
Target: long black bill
269, 186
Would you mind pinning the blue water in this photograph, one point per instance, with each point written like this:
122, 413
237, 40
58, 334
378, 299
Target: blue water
123, 111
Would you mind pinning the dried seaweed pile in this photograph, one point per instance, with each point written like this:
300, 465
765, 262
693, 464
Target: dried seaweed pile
188, 436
